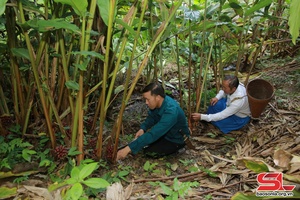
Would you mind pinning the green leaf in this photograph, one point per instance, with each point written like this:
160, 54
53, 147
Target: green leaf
168, 172
82, 67
175, 195
79, 6
212, 9
6, 192
155, 184
153, 165
294, 22
166, 189
256, 166
57, 185
2, 6
71, 181
53, 24
45, 163
20, 52
25, 144
193, 169
73, 151
86, 161
72, 85
88, 53
103, 6
147, 166
119, 89
236, 7
259, 5
176, 184
87, 170
26, 154
123, 173
130, 29
75, 192
5, 164
96, 183
75, 173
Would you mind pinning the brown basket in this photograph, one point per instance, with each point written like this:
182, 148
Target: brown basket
259, 92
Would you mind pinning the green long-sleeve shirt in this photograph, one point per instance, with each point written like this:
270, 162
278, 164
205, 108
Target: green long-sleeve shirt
165, 121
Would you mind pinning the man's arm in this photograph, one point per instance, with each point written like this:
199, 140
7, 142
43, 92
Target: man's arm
167, 121
149, 122
139, 133
228, 111
220, 95
123, 153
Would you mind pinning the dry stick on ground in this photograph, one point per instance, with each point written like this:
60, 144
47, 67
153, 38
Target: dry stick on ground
227, 186
289, 129
192, 178
169, 178
259, 149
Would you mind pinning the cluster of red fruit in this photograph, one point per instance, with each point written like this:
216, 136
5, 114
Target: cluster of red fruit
92, 142
6, 121
109, 154
60, 152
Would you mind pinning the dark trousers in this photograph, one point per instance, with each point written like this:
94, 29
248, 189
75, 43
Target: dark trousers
162, 147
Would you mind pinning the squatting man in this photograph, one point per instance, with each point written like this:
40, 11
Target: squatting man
162, 131
229, 110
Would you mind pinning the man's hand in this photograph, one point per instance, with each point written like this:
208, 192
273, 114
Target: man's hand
123, 153
139, 133
196, 116
213, 101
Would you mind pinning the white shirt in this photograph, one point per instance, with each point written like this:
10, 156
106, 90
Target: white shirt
237, 104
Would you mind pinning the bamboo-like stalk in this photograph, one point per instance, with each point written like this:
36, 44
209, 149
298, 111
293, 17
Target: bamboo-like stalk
179, 72
36, 77
30, 96
65, 66
118, 123
89, 79
258, 50
48, 96
161, 65
77, 128
153, 44
189, 106
206, 70
242, 40
18, 94
103, 110
4, 107
200, 80
28, 112
84, 46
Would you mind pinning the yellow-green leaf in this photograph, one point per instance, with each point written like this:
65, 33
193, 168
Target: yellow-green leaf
6, 192
294, 21
79, 6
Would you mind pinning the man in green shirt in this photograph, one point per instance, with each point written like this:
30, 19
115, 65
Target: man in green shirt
162, 132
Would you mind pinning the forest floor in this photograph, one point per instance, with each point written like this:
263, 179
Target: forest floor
223, 166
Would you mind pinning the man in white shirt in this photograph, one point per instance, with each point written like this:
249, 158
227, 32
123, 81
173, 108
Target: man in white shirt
229, 110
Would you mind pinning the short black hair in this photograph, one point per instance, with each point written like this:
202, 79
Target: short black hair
156, 89
233, 81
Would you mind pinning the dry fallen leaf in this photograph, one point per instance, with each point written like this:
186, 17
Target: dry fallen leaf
115, 192
282, 158
128, 190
